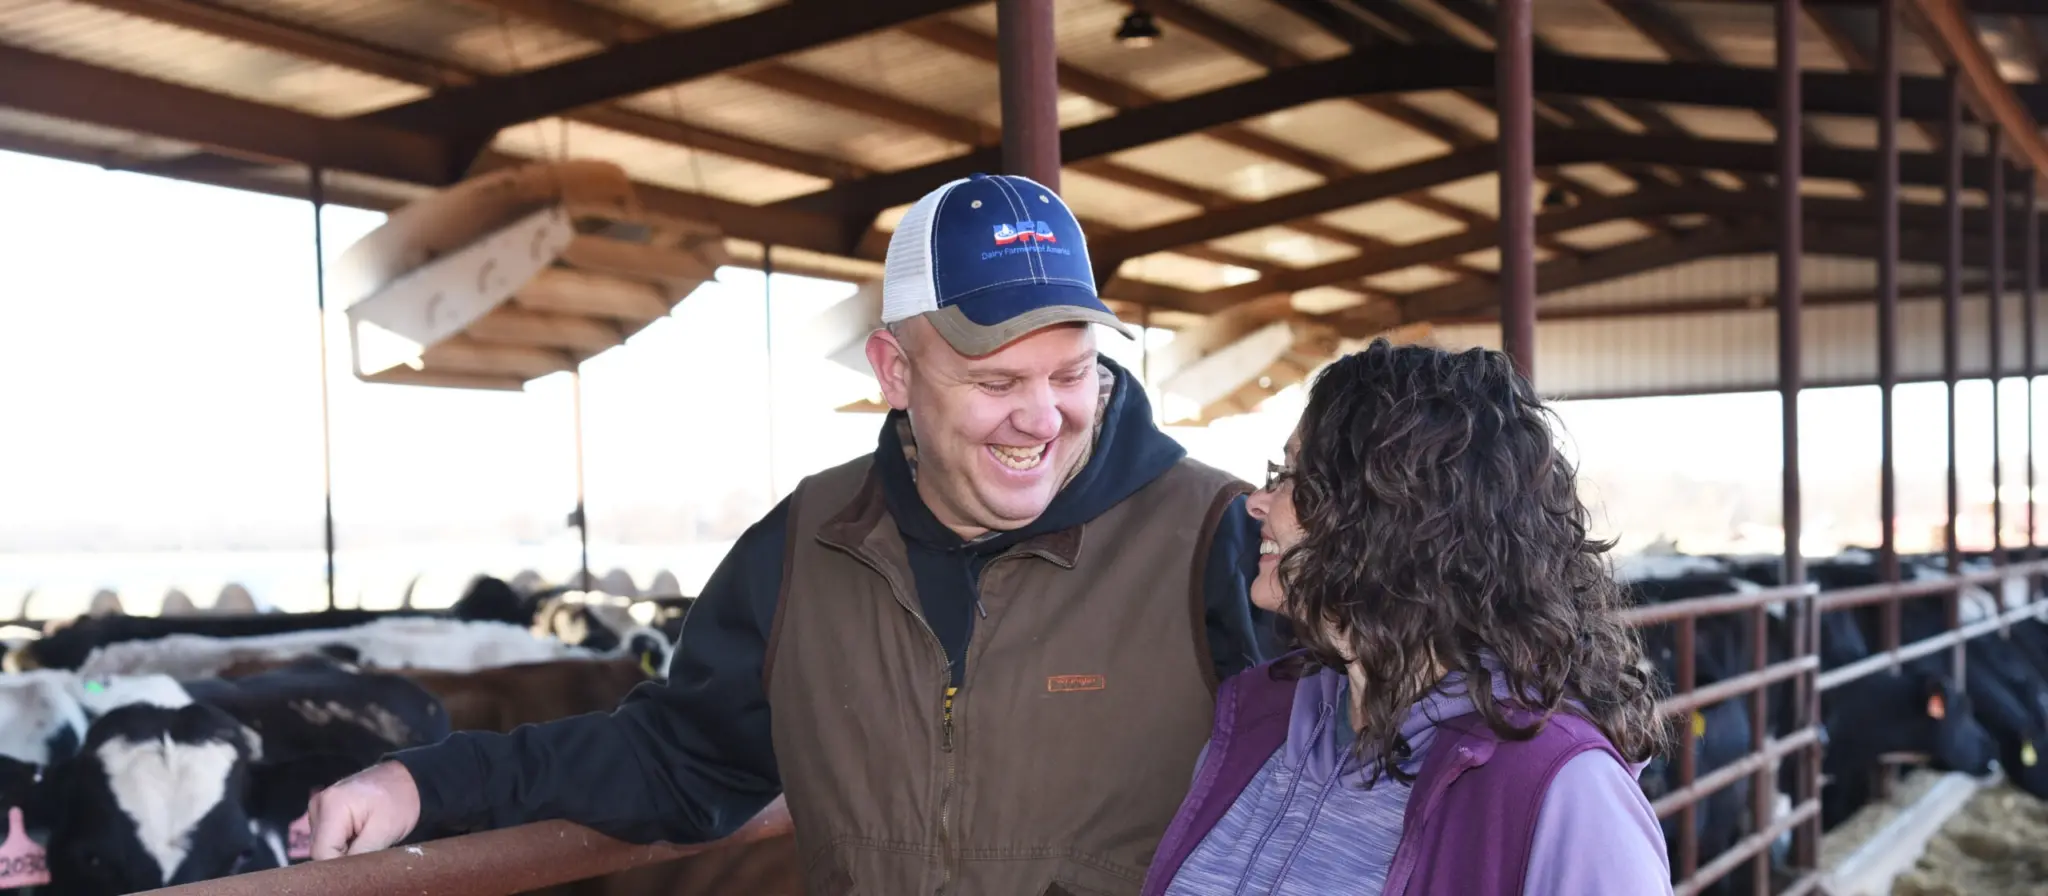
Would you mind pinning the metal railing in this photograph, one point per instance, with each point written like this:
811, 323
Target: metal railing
1805, 606
492, 863
528, 857
1761, 762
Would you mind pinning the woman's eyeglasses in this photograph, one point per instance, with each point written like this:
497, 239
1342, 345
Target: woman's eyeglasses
1276, 474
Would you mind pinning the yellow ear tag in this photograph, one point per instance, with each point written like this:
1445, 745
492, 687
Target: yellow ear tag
647, 665
1699, 724
2027, 755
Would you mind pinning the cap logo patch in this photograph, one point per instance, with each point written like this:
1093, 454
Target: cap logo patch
1025, 232
1024, 236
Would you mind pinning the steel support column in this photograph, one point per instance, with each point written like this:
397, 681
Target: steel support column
585, 582
1951, 341
1952, 291
1789, 376
1514, 89
1888, 298
1028, 58
1994, 323
316, 191
1887, 324
2030, 256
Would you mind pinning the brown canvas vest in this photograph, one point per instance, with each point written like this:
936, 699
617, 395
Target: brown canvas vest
1089, 692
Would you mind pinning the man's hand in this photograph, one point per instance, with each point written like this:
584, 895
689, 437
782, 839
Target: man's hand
364, 812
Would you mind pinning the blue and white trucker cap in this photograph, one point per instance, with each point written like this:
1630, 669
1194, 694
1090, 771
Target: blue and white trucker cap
988, 259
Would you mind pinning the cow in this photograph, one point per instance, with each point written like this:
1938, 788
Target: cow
503, 698
2008, 695
596, 619
159, 795
399, 642
66, 645
1911, 708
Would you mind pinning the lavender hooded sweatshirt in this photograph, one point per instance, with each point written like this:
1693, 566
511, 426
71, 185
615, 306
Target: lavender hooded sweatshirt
1304, 825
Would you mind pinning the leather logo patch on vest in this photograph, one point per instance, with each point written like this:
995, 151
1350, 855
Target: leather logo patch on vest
1060, 684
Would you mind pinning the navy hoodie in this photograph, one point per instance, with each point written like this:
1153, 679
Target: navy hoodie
690, 759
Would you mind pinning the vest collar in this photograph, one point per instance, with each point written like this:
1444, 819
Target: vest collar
855, 523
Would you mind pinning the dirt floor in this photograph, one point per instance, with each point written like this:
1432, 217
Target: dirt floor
1996, 846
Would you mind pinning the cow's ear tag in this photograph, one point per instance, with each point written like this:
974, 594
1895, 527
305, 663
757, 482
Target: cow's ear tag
22, 861
95, 687
647, 664
1699, 724
2027, 755
1936, 709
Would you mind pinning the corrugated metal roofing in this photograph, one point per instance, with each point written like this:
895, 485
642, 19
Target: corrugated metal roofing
688, 13
1105, 200
1592, 28
1393, 221
1199, 159
658, 163
1350, 133
1177, 270
1179, 64
1746, 34
731, 104
1286, 246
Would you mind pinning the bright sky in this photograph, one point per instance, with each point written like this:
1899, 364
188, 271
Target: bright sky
158, 355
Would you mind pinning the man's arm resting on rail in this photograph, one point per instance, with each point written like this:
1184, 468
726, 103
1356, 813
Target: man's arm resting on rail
685, 761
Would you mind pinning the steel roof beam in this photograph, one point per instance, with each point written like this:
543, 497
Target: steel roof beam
75, 91
478, 111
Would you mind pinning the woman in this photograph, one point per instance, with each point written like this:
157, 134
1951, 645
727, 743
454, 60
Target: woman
1426, 541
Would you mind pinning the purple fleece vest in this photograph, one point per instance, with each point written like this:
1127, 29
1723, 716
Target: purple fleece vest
1471, 816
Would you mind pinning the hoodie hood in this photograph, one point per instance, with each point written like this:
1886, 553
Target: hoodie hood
1129, 452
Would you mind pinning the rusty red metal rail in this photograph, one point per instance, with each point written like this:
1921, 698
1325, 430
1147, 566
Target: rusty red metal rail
492, 863
1761, 762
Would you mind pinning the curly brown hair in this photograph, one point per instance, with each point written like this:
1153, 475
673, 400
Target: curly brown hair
1440, 520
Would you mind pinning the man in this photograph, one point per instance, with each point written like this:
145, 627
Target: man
980, 660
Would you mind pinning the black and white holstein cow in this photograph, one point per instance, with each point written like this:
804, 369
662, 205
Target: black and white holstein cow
487, 600
213, 784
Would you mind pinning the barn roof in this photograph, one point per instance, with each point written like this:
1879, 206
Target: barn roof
1336, 150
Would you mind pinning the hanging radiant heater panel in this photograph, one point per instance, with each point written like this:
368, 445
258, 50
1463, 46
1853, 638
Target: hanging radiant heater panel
514, 275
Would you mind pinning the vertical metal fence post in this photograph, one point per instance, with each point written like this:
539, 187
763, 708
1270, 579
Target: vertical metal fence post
1952, 290
316, 190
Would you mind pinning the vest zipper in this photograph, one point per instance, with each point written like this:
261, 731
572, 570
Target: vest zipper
945, 715
946, 865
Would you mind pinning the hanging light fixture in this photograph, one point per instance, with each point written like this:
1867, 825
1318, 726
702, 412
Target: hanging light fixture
1138, 30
